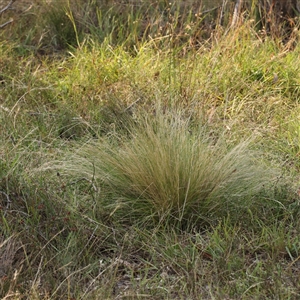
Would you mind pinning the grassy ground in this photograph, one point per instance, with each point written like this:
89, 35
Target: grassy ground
145, 154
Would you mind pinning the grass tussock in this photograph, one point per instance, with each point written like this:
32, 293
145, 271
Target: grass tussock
165, 169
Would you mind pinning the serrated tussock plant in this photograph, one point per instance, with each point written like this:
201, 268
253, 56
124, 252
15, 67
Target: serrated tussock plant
168, 170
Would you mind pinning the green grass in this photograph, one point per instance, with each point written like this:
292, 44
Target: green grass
144, 154
166, 169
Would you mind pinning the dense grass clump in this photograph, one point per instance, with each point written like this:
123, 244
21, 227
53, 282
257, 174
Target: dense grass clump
168, 170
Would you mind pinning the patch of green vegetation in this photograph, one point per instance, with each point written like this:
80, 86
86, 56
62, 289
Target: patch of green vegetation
167, 170
145, 154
